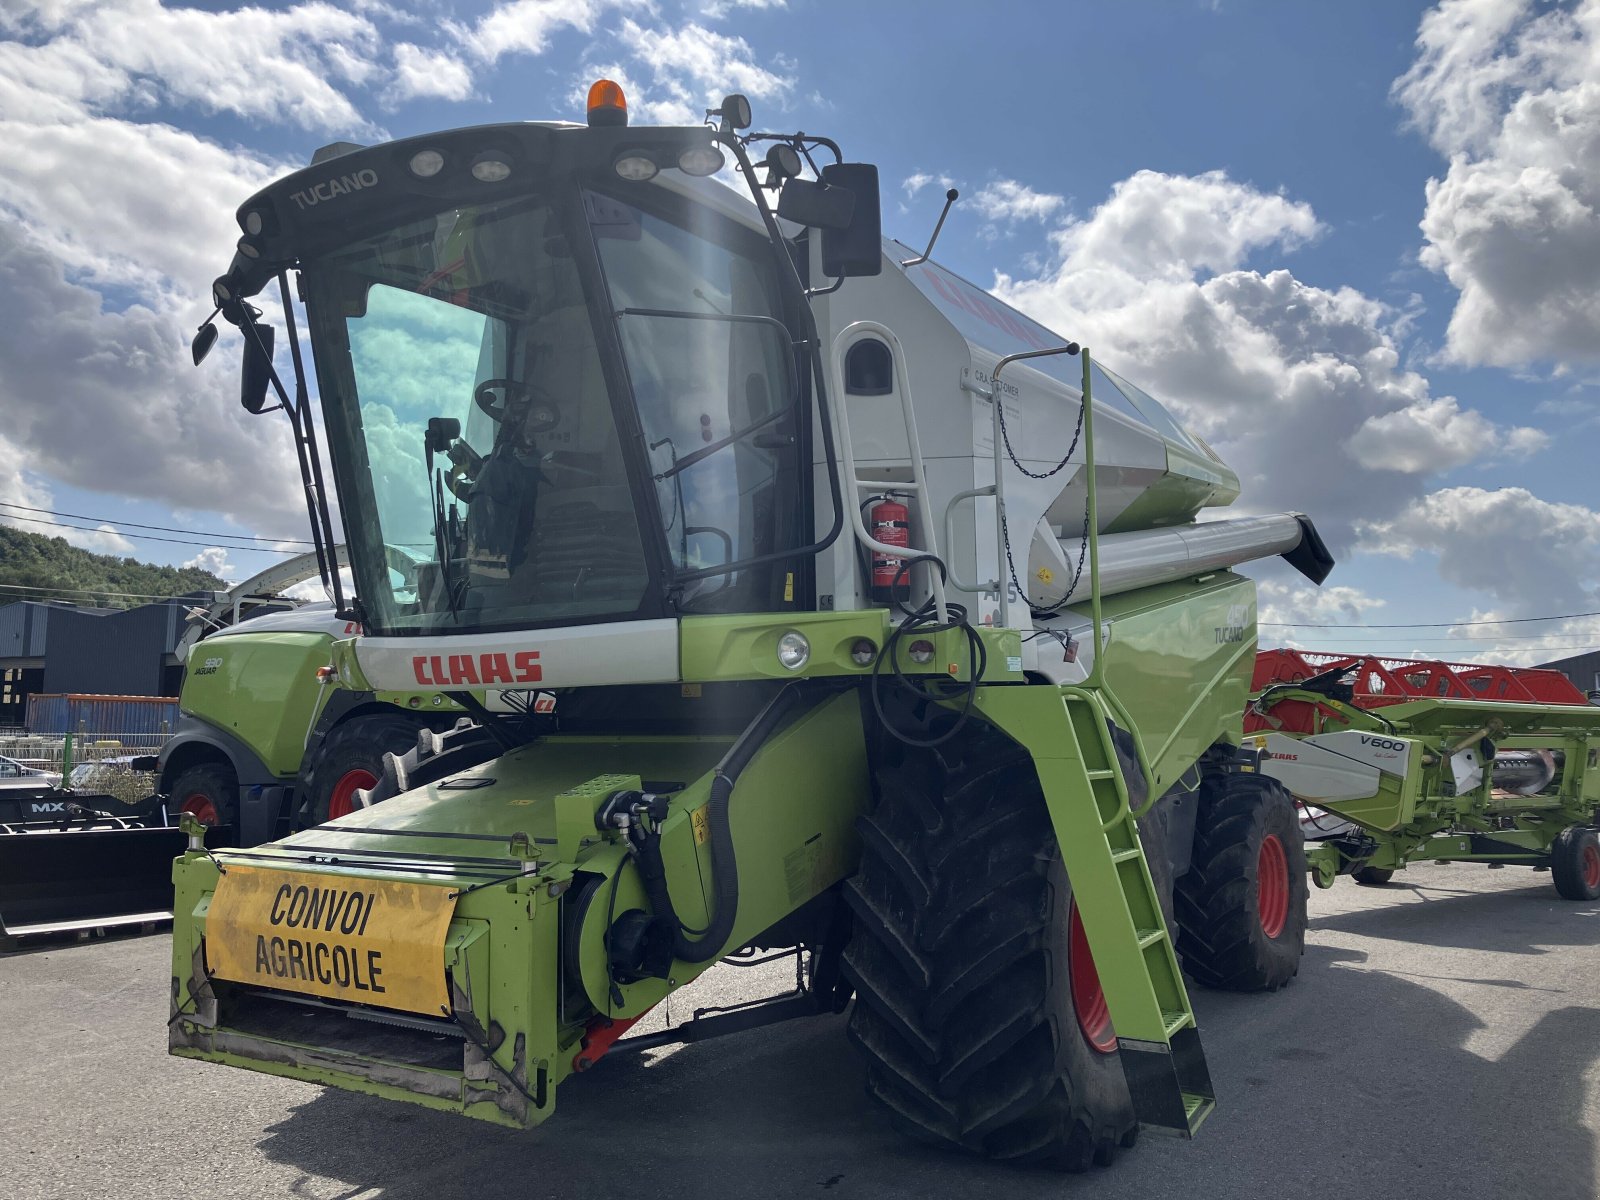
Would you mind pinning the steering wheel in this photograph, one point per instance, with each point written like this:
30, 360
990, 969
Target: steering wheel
541, 414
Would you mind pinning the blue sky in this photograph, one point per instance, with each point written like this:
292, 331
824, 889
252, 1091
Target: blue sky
1351, 243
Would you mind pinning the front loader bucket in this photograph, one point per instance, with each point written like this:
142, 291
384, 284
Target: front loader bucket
55, 880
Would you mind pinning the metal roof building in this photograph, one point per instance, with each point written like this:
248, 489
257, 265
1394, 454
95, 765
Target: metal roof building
61, 648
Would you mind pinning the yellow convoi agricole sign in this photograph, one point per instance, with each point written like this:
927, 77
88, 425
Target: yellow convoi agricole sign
372, 941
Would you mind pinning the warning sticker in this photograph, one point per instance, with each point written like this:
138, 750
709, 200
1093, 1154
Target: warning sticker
702, 825
371, 941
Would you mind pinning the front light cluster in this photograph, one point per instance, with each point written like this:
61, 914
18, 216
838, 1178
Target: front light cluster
794, 650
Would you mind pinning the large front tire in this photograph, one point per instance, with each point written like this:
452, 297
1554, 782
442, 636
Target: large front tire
351, 758
978, 1010
1242, 904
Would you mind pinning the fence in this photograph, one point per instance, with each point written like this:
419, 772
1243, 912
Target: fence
95, 764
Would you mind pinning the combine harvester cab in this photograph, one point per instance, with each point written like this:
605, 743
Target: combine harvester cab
1396, 761
776, 632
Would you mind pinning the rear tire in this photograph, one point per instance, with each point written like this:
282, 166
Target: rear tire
1242, 904
1372, 876
209, 792
962, 961
1575, 863
350, 759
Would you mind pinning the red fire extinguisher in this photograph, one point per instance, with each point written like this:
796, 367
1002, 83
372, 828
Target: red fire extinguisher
889, 522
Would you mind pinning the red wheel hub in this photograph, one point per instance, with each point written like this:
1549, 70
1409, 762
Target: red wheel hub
201, 807
343, 800
1591, 866
1088, 997
1272, 886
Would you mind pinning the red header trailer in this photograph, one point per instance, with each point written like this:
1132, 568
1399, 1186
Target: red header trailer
1380, 681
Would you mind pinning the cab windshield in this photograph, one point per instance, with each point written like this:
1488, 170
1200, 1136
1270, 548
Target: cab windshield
471, 370
472, 425
711, 367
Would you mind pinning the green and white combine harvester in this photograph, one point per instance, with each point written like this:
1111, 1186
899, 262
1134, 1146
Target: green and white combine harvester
1400, 761
777, 633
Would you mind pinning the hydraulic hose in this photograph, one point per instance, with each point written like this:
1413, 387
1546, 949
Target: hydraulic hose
710, 942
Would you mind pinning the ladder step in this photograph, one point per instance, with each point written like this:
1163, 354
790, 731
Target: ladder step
1175, 1021
1122, 856
1197, 1109
889, 484
1101, 774
1149, 937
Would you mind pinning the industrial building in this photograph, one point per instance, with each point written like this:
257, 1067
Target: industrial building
62, 649
1582, 669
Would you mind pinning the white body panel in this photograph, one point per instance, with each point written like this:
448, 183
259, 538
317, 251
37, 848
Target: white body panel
1334, 766
576, 656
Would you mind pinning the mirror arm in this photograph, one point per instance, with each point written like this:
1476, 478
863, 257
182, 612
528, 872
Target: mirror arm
310, 460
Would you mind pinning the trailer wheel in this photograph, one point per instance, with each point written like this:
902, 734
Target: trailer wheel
208, 792
978, 1008
1242, 904
1372, 876
350, 759
1575, 863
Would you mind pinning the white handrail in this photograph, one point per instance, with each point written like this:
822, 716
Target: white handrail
842, 342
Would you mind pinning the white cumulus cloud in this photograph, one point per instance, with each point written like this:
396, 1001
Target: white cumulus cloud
215, 560
1299, 387
1509, 92
1009, 201
1532, 557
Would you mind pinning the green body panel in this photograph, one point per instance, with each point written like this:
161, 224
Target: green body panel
1190, 481
1178, 662
1040, 719
262, 688
1421, 817
793, 826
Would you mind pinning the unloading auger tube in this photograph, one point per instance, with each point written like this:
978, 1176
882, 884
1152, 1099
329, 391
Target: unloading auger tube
699, 732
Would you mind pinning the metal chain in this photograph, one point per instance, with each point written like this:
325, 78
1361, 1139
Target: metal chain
1005, 532
1077, 574
998, 398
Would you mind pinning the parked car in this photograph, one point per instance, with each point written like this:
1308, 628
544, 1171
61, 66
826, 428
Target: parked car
104, 774
14, 774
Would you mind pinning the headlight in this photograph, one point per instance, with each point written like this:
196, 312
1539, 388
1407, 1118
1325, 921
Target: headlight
794, 651
700, 160
425, 164
490, 168
636, 168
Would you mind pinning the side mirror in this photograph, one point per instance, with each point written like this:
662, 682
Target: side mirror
256, 374
854, 249
203, 341
816, 205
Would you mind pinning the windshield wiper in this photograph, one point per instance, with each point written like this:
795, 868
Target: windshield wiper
705, 452
441, 546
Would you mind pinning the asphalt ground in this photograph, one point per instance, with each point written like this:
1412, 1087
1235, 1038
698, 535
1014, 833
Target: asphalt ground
1442, 1040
